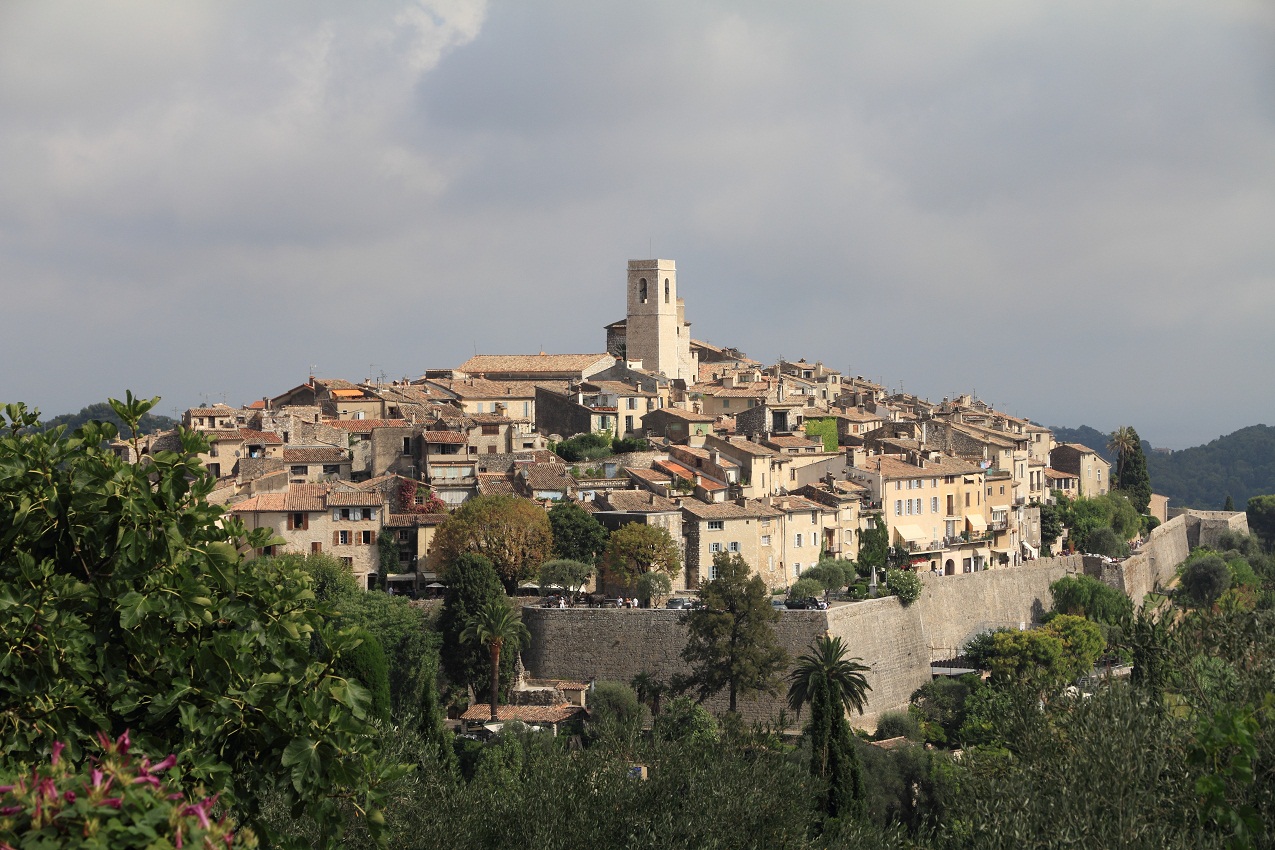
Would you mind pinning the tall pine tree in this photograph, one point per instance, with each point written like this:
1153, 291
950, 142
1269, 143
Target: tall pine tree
1132, 475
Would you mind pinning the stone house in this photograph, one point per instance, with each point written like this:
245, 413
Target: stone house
327, 517
1093, 474
747, 527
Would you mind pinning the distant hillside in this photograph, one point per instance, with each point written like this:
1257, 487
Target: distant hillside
1240, 465
1091, 437
103, 413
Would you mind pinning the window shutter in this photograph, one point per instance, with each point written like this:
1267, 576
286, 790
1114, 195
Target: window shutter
305, 522
358, 539
289, 521
373, 540
336, 538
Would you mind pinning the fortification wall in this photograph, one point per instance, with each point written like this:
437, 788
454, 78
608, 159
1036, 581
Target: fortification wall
616, 644
898, 643
953, 609
1211, 524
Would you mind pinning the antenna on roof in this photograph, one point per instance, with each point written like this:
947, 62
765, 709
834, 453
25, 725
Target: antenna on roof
314, 367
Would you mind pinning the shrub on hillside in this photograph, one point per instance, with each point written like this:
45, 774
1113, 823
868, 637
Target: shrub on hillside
904, 584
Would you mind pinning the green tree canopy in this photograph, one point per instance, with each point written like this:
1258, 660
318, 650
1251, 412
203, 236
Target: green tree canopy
636, 548
1261, 518
567, 574
472, 584
653, 587
874, 547
495, 627
1205, 579
731, 640
1087, 597
513, 533
832, 685
1131, 475
577, 535
125, 604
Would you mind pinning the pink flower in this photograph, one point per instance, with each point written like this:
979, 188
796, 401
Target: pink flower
113, 802
69, 796
147, 779
5, 789
7, 811
58, 747
165, 764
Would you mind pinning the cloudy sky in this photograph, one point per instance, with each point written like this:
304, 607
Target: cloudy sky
1068, 208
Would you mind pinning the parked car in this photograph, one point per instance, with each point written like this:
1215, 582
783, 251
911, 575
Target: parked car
778, 603
816, 604
678, 603
796, 604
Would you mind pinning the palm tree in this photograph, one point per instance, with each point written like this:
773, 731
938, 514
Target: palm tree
832, 684
494, 625
649, 690
1122, 444
825, 666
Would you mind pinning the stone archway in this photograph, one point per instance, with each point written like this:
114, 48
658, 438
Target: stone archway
950, 567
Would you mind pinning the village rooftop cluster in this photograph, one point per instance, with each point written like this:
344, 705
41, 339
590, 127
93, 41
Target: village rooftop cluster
780, 463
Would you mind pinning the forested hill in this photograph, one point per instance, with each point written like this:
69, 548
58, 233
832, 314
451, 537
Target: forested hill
103, 413
1240, 465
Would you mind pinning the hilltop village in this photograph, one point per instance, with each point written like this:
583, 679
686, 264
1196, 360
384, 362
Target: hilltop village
782, 463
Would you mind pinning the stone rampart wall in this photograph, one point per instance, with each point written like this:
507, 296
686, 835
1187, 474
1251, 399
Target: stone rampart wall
897, 642
953, 609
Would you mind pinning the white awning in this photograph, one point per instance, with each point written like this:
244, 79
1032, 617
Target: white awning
976, 521
910, 533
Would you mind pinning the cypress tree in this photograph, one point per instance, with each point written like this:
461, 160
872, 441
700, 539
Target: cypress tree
472, 583
1133, 478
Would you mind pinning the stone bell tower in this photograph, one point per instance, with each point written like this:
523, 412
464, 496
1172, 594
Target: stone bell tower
656, 330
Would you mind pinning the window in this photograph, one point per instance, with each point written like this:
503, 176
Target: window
714, 548
300, 469
934, 504
967, 500
349, 562
342, 538
712, 572
1002, 489
765, 540
331, 469
491, 430
725, 403
267, 551
814, 517
909, 483
666, 290
898, 485
909, 507
989, 491
632, 404
798, 541
734, 546
898, 507
716, 524
796, 569
299, 521
316, 547
341, 513
407, 445
642, 291
402, 535
367, 537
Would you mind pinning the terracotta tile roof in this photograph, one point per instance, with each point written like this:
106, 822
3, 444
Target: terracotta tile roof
1056, 474
305, 497
257, 405
741, 444
333, 383
266, 502
547, 476
448, 438
893, 467
531, 363
342, 498
246, 434
413, 520
636, 501
495, 484
215, 410
795, 503
686, 415
491, 418
616, 388
752, 509
315, 455
653, 475
481, 711
365, 426
484, 389
854, 415
1080, 447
